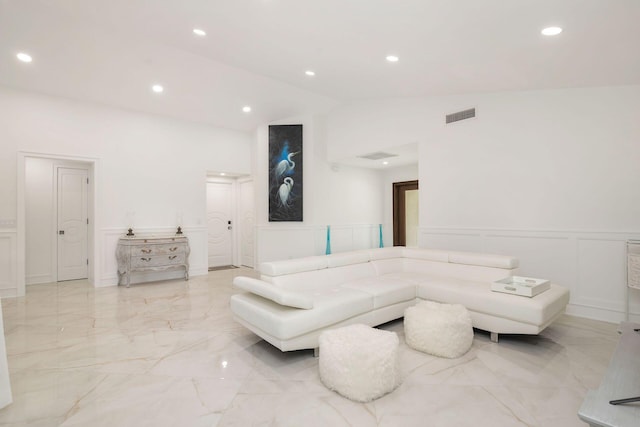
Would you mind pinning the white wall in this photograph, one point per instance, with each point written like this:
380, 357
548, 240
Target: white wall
548, 176
149, 165
348, 199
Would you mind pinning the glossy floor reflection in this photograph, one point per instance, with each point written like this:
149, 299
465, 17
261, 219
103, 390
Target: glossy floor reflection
169, 354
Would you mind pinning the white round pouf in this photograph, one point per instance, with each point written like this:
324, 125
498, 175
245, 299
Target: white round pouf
443, 330
359, 362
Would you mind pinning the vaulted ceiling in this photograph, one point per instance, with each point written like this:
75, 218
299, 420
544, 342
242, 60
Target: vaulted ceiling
256, 52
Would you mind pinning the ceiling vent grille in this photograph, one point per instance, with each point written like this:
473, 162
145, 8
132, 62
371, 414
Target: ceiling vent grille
378, 155
460, 115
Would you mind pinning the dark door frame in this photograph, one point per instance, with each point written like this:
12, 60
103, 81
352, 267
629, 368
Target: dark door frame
399, 211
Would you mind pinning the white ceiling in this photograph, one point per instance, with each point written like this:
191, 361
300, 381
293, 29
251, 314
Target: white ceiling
256, 51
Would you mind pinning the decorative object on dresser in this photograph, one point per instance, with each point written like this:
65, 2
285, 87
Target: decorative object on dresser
151, 253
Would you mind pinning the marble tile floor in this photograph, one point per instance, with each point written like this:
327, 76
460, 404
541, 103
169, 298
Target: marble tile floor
169, 354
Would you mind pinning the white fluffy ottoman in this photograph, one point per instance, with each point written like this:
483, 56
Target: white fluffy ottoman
359, 362
443, 330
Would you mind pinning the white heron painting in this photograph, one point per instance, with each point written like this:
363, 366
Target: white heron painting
285, 173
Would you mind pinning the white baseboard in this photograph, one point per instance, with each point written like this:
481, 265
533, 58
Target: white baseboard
36, 279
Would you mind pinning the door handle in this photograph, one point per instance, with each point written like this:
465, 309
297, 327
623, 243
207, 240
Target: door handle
60, 232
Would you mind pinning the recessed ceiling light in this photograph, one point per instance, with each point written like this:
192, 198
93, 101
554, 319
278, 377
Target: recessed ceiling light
199, 32
222, 174
24, 57
157, 88
310, 73
246, 109
385, 163
392, 58
551, 31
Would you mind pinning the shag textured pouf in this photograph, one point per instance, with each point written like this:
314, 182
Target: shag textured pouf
443, 330
359, 362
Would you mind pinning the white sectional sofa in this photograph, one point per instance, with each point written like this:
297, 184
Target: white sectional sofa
295, 300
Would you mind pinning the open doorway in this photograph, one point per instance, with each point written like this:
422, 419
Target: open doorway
405, 213
230, 222
220, 223
56, 220
56, 212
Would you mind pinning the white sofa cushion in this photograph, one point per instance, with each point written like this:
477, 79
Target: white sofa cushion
385, 292
388, 265
347, 258
406, 277
274, 293
308, 280
350, 273
477, 296
330, 305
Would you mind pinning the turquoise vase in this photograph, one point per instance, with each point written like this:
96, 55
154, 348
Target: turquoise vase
381, 243
328, 251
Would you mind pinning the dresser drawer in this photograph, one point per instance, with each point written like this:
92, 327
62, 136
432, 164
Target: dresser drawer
151, 250
141, 261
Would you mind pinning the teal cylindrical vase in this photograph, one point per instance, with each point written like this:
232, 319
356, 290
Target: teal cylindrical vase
328, 251
381, 243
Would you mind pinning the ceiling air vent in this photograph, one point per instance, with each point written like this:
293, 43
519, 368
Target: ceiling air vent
378, 155
460, 115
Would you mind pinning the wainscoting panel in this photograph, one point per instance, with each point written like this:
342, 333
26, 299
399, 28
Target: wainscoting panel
8, 263
287, 242
109, 264
276, 243
450, 241
348, 238
198, 263
601, 270
591, 264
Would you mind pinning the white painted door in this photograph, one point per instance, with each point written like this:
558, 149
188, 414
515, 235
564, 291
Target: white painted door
219, 226
72, 223
247, 221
